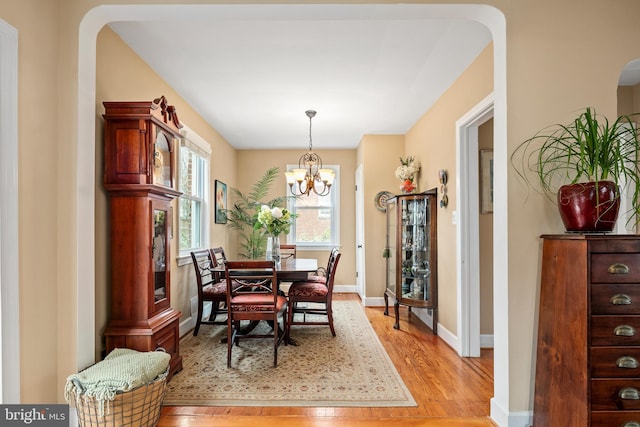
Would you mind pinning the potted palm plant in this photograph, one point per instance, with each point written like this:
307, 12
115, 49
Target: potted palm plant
243, 216
585, 165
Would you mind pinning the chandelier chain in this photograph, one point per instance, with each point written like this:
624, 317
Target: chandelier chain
311, 114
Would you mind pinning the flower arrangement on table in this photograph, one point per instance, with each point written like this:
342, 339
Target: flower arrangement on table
274, 220
407, 172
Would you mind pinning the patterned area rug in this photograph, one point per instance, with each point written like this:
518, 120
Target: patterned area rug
351, 369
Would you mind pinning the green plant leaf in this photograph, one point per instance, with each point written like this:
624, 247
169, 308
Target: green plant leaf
589, 148
243, 216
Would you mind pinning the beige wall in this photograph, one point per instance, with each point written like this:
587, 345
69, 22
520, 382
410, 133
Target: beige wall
547, 74
38, 201
629, 100
375, 153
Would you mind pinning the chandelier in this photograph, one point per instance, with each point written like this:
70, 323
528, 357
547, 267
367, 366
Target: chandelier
310, 176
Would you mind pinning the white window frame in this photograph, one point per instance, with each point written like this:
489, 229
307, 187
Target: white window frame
195, 143
335, 220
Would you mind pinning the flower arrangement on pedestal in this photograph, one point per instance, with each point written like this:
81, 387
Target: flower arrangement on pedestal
407, 172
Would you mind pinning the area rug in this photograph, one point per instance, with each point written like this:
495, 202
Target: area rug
351, 369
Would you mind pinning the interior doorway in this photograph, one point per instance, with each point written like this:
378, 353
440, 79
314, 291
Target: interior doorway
468, 226
89, 28
360, 266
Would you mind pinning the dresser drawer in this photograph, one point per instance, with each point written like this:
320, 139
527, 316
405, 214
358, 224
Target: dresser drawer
615, 419
610, 395
615, 330
615, 299
615, 362
615, 268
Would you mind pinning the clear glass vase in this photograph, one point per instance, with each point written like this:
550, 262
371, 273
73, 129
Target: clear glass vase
273, 248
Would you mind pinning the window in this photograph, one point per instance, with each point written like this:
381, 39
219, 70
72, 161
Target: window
193, 204
317, 224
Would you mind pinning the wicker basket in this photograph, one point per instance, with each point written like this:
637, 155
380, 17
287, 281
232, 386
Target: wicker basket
139, 407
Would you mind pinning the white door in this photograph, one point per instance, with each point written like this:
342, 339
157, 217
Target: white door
360, 282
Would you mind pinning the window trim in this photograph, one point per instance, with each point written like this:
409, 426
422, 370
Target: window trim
201, 147
335, 223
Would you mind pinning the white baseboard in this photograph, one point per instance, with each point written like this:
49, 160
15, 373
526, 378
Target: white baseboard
187, 325
504, 418
486, 341
373, 302
344, 289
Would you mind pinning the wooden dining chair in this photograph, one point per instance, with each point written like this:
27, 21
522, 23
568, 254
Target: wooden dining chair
219, 258
317, 292
252, 294
287, 251
210, 289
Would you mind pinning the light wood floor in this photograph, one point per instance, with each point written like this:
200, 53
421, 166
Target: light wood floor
449, 390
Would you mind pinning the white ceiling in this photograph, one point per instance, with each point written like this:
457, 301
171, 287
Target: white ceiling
253, 78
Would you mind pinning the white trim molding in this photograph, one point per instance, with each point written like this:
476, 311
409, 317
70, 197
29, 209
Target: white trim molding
9, 239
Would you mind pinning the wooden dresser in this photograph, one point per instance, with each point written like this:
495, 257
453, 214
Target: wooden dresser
588, 357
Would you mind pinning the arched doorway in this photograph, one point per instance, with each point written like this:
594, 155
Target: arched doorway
86, 169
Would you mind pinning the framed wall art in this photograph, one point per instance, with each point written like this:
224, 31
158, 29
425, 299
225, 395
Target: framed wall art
486, 181
221, 202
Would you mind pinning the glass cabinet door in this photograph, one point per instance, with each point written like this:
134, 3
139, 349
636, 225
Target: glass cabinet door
160, 255
162, 160
416, 245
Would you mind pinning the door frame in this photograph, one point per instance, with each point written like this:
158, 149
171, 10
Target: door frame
468, 228
9, 241
360, 259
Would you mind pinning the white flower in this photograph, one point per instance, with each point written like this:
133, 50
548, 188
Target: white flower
276, 213
274, 220
408, 169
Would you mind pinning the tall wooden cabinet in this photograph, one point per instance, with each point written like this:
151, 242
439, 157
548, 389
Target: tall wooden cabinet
588, 356
412, 260
139, 173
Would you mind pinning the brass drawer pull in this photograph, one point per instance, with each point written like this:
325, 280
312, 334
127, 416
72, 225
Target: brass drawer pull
631, 424
627, 362
624, 331
620, 299
618, 268
629, 393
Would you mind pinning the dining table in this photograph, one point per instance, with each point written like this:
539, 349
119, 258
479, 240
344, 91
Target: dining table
287, 270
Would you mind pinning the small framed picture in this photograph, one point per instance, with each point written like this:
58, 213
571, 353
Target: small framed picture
486, 181
221, 202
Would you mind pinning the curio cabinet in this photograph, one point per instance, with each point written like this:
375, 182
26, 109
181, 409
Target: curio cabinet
411, 254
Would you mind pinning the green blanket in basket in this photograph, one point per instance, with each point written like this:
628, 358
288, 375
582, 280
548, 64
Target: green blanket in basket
122, 370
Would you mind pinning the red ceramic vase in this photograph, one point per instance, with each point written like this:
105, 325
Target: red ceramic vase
581, 211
